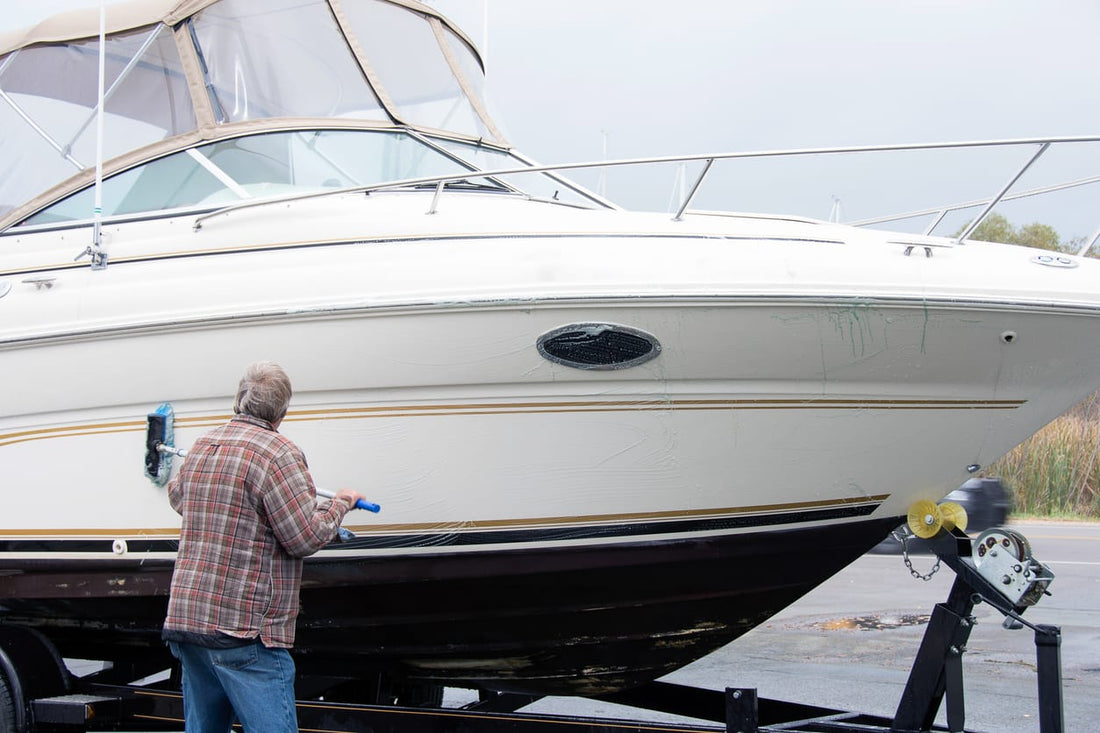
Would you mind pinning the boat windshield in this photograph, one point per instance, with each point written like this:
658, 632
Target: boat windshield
227, 70
271, 164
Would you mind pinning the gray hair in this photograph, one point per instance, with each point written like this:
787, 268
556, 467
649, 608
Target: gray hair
264, 392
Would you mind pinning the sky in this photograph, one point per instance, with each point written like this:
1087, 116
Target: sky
705, 76
575, 80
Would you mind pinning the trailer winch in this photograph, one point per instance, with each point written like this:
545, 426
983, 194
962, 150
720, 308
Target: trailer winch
1003, 557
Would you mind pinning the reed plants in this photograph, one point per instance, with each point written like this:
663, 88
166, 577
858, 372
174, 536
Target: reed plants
1056, 472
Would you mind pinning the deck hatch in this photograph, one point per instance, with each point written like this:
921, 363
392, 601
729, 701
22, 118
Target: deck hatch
598, 346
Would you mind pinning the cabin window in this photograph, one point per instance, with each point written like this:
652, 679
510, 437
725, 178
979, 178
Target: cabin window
598, 346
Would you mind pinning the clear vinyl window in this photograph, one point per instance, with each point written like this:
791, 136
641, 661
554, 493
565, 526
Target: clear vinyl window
259, 166
48, 106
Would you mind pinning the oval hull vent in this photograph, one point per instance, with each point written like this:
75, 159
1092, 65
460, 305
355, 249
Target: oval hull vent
598, 346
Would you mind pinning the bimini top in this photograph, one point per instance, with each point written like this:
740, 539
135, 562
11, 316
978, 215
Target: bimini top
178, 73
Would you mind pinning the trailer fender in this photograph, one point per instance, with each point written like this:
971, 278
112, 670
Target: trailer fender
30, 668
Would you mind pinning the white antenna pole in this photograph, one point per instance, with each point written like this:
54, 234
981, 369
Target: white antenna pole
99, 259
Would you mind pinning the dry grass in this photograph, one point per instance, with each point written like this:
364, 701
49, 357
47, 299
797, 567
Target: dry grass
1056, 472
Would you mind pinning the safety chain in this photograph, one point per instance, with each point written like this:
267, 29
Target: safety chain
904, 540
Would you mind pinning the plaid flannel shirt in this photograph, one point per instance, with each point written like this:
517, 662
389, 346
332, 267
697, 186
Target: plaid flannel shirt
249, 517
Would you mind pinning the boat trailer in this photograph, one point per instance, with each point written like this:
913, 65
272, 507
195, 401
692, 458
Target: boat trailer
997, 568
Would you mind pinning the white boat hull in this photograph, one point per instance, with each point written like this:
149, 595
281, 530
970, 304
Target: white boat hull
499, 436
769, 391
783, 427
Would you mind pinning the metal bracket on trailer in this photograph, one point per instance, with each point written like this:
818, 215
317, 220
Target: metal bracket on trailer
1010, 580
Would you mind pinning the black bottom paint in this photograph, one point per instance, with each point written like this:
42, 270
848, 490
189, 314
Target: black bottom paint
579, 620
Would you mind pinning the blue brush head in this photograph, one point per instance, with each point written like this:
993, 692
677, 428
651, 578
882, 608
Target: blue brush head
159, 431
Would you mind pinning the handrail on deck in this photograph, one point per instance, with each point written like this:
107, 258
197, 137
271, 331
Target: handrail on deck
709, 159
941, 211
1001, 194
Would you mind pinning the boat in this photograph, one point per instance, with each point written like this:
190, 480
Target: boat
605, 442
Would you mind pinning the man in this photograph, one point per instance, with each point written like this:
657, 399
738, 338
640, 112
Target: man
249, 517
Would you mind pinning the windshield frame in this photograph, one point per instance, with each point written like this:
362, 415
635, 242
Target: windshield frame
447, 148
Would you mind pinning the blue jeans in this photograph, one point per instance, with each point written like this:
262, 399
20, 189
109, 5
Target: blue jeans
253, 681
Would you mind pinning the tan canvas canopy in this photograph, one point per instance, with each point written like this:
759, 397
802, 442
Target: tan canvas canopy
84, 22
126, 15
178, 73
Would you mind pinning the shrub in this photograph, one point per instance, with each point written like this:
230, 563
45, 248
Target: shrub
1056, 472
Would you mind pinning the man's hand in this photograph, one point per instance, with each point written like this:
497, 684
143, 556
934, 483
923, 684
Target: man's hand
349, 497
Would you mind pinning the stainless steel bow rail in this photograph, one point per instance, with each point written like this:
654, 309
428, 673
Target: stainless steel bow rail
39, 694
499, 177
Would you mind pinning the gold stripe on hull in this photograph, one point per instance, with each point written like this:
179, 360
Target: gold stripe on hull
523, 523
513, 408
